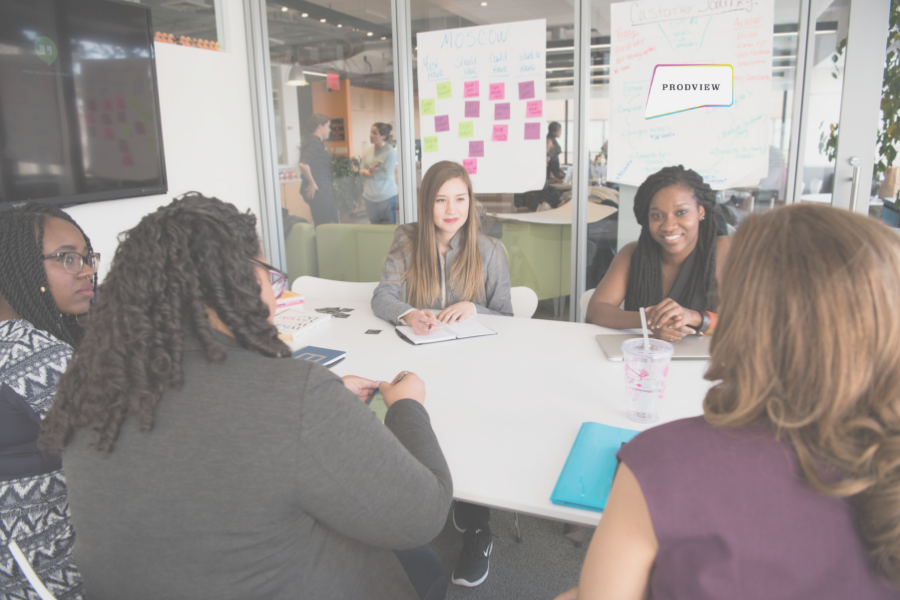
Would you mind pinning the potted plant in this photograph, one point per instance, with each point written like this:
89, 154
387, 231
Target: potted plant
346, 183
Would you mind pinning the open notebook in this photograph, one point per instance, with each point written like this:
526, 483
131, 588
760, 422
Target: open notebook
466, 329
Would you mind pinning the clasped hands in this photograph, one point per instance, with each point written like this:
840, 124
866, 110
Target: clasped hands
670, 321
424, 322
405, 385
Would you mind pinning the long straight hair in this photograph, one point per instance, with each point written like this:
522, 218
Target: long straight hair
423, 286
808, 343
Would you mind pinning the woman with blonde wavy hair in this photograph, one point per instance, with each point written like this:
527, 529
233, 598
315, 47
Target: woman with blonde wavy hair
788, 486
443, 263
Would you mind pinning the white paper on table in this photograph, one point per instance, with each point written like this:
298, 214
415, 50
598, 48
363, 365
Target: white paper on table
458, 331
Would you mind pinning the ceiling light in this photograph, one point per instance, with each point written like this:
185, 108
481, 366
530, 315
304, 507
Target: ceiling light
384, 38
484, 3
304, 15
339, 25
284, 9
369, 34
321, 20
296, 77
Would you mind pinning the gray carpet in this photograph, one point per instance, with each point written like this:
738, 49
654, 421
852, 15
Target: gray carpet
545, 564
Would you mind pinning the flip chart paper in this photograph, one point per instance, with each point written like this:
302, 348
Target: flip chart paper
443, 90
526, 90
476, 149
471, 165
532, 131
534, 109
501, 111
442, 123
466, 129
426, 107
431, 144
470, 90
500, 134
472, 109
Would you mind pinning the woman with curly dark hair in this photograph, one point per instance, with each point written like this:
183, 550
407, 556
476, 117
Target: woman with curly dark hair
672, 270
47, 270
204, 464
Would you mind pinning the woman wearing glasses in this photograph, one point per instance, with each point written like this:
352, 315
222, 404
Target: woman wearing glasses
47, 273
205, 463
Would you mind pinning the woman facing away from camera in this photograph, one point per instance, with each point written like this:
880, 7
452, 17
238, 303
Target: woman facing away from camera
673, 269
47, 270
205, 463
788, 486
444, 264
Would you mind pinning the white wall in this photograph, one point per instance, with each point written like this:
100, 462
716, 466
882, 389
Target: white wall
204, 99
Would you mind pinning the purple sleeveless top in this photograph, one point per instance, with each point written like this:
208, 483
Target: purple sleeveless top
735, 519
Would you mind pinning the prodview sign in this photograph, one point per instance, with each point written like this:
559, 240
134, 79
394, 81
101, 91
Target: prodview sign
677, 88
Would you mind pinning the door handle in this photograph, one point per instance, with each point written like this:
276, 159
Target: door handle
854, 186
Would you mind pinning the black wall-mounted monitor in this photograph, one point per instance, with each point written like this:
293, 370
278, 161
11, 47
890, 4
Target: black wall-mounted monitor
79, 109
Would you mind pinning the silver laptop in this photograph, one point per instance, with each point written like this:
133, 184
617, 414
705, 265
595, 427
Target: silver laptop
690, 347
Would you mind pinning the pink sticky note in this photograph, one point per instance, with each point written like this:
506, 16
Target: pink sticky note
476, 149
120, 103
498, 91
526, 90
472, 108
470, 89
500, 134
128, 160
107, 105
501, 111
471, 165
532, 131
442, 123
535, 108
139, 128
108, 133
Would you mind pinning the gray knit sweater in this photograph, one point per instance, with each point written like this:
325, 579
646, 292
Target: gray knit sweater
261, 478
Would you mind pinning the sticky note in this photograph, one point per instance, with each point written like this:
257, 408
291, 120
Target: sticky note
135, 103
471, 165
426, 107
128, 160
120, 117
442, 123
430, 143
139, 128
526, 90
476, 149
108, 133
470, 89
472, 108
532, 131
535, 108
120, 103
497, 91
107, 105
146, 116
501, 111
443, 89
89, 118
105, 119
149, 144
500, 134
466, 129
125, 131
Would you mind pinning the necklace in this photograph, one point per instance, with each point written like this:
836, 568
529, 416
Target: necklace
663, 271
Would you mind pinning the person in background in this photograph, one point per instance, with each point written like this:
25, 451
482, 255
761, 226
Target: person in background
554, 174
443, 263
315, 166
673, 269
47, 269
377, 165
788, 485
204, 463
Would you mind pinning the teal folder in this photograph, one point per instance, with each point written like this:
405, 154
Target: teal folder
588, 474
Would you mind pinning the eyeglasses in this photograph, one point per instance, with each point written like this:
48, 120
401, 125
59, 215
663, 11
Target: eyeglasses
277, 277
74, 262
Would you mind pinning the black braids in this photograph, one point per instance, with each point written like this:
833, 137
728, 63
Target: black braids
192, 254
645, 274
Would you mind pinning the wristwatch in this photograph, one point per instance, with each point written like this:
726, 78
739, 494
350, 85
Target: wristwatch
704, 325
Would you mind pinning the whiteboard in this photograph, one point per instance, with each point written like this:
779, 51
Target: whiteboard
728, 146
482, 97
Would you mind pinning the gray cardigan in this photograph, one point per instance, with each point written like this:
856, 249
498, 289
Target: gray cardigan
387, 301
261, 478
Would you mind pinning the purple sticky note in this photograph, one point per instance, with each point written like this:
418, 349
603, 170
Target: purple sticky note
526, 90
533, 109
498, 91
105, 119
476, 149
139, 128
470, 89
500, 134
532, 131
442, 123
107, 105
120, 117
501, 111
471, 165
472, 108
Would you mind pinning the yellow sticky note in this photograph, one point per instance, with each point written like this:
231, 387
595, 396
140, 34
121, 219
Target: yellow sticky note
149, 144
444, 90
125, 132
426, 107
146, 116
430, 143
135, 103
466, 129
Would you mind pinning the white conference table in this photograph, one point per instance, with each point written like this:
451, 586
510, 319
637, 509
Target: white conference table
506, 408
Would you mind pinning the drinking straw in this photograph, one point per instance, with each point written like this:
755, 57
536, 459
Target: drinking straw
646, 331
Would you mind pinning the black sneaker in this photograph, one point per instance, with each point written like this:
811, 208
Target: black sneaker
472, 567
455, 524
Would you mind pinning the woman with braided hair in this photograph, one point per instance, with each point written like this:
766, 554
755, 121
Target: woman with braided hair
204, 463
673, 269
47, 270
